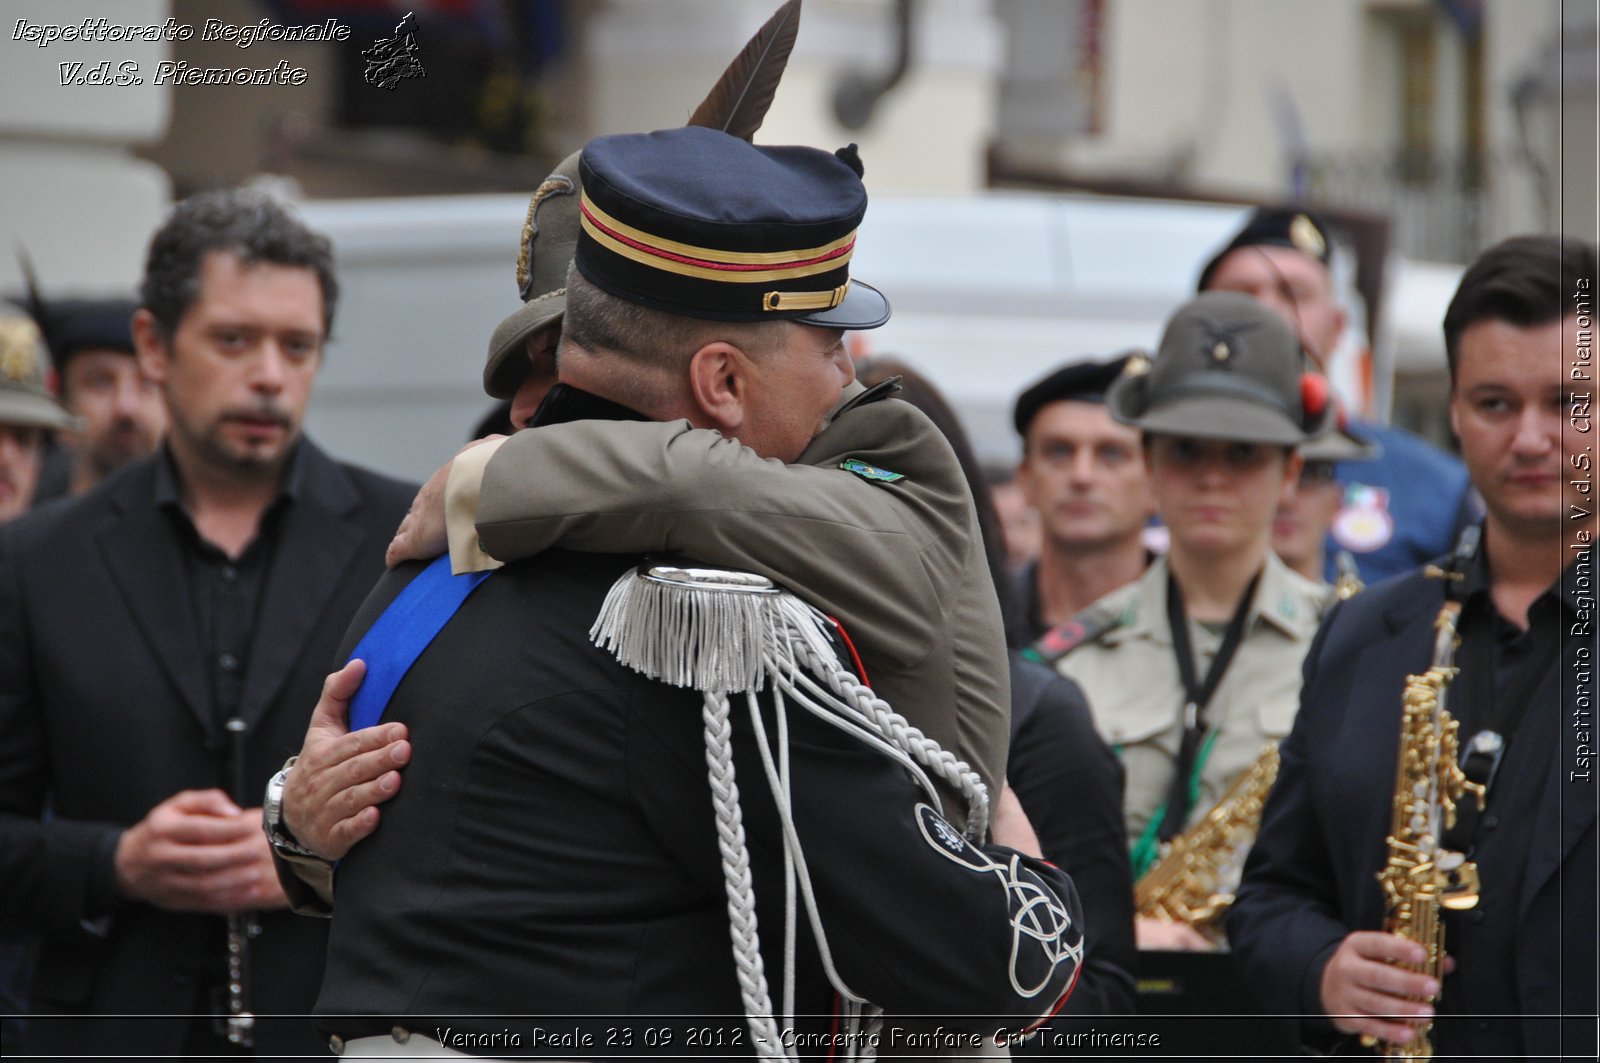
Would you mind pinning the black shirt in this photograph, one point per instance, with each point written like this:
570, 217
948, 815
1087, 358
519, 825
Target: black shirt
1507, 673
224, 593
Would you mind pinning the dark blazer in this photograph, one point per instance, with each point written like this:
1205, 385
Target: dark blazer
1070, 784
1311, 877
105, 711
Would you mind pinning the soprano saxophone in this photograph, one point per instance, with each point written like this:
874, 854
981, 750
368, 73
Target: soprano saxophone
1194, 879
1420, 876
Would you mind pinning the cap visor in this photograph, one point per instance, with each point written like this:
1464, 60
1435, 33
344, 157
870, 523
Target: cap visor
1220, 417
863, 307
503, 372
34, 411
1340, 445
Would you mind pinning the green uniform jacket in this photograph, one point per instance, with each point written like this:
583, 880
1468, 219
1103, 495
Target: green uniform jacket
898, 562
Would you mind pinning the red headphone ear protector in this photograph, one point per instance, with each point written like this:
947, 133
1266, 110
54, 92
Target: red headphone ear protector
1313, 397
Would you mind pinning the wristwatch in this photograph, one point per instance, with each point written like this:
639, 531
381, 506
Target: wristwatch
279, 836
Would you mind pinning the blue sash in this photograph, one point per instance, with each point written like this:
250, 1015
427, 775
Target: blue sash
397, 638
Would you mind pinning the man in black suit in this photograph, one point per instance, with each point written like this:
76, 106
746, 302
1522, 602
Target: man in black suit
1307, 925
160, 640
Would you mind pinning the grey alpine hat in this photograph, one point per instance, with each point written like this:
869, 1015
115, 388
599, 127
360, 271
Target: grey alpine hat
549, 237
1228, 368
24, 399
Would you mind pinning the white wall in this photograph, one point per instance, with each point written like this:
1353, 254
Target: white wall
650, 63
74, 196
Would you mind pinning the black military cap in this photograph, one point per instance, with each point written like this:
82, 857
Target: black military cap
696, 222
73, 325
1227, 368
1085, 381
1275, 227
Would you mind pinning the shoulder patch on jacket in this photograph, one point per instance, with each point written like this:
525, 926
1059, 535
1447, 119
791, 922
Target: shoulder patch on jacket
870, 472
1064, 638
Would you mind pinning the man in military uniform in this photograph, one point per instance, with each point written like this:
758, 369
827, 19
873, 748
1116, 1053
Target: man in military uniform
1300, 530
879, 483
1193, 670
121, 417
1084, 473
1407, 504
549, 922
1308, 925
27, 411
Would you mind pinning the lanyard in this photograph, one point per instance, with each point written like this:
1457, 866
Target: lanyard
1196, 694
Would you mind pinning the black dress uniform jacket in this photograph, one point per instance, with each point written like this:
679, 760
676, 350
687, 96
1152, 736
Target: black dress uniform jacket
1311, 877
552, 856
105, 711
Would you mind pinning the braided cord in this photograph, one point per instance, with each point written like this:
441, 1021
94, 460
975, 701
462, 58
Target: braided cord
748, 967
896, 729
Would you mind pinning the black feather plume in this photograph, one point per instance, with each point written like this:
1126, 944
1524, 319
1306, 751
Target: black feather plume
37, 308
739, 100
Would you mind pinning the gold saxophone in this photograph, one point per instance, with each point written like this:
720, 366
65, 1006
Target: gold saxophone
1194, 879
1420, 877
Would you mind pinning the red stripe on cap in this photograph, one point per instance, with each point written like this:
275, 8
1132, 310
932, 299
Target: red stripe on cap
706, 263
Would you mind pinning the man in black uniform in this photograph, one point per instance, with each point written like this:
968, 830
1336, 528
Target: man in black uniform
1085, 475
1408, 503
1307, 922
553, 852
119, 408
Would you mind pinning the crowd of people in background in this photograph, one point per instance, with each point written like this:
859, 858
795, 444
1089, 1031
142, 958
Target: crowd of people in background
1204, 574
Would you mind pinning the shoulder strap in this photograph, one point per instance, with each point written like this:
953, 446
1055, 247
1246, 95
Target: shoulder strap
1064, 638
397, 638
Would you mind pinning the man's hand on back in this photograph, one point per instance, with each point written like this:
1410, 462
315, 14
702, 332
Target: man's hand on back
331, 795
422, 536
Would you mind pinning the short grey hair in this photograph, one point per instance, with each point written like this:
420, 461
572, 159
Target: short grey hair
653, 339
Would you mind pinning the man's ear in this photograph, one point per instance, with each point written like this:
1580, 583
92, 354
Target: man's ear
719, 385
150, 345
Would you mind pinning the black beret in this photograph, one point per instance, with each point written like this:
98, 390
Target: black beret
73, 325
1275, 227
696, 222
1080, 381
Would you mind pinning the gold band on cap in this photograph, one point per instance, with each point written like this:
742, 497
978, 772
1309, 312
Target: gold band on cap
709, 263
805, 300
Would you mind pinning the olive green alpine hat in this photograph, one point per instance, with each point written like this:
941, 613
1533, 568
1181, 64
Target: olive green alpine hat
1228, 368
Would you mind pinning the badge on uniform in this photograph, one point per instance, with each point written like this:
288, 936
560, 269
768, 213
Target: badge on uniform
948, 841
870, 472
1363, 523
